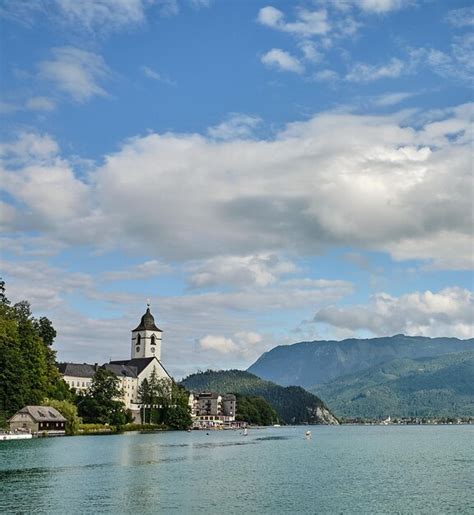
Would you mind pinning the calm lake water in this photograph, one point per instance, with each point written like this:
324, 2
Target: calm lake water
349, 469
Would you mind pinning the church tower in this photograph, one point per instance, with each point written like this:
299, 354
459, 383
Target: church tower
146, 338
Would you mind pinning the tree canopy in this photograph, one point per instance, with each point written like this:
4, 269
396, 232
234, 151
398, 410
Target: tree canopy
28, 369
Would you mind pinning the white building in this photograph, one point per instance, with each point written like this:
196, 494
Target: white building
210, 409
145, 358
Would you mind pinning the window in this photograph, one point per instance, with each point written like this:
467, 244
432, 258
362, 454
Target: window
153, 339
139, 339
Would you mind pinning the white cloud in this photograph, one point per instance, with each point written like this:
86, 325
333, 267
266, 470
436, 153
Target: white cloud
409, 184
455, 62
326, 76
282, 61
145, 270
463, 17
75, 72
377, 6
218, 344
106, 14
362, 72
390, 99
29, 148
445, 313
243, 271
245, 344
237, 126
40, 104
308, 23
153, 74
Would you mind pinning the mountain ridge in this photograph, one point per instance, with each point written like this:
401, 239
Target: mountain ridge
293, 404
321, 361
440, 386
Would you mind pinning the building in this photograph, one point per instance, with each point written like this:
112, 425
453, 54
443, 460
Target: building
145, 357
210, 409
38, 419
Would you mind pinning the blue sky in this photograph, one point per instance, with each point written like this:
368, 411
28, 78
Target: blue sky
264, 172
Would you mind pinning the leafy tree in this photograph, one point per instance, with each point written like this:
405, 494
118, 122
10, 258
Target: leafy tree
164, 402
144, 398
69, 411
100, 403
28, 371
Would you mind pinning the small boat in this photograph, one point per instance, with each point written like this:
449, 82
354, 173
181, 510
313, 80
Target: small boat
245, 432
15, 436
308, 435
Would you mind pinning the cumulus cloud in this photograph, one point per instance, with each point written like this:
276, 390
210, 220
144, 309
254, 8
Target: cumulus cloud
245, 344
145, 270
109, 14
75, 72
463, 17
390, 99
408, 180
444, 313
373, 6
243, 271
40, 104
362, 72
236, 126
455, 62
307, 23
282, 61
153, 74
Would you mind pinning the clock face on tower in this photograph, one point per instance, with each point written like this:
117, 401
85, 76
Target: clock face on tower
137, 349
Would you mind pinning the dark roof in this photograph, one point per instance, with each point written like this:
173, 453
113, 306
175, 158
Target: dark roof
77, 369
121, 369
208, 395
139, 364
43, 413
147, 323
229, 397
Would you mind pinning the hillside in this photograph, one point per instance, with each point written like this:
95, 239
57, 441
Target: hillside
294, 405
310, 363
442, 386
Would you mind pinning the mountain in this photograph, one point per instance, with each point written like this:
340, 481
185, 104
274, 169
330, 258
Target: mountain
308, 364
293, 404
442, 386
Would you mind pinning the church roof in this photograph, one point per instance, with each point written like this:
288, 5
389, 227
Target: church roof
77, 369
147, 323
139, 364
120, 369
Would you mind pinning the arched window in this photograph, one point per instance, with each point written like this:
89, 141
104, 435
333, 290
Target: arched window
139, 339
153, 342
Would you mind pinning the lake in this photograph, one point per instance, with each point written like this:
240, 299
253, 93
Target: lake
347, 469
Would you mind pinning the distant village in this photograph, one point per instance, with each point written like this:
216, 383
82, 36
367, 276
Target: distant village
208, 409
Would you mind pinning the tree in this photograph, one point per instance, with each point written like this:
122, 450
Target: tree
100, 403
144, 398
164, 402
69, 411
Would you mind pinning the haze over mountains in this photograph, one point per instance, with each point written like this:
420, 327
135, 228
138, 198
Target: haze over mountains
398, 375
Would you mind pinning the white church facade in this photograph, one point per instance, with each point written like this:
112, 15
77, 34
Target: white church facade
145, 357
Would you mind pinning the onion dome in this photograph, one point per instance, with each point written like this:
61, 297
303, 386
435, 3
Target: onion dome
147, 323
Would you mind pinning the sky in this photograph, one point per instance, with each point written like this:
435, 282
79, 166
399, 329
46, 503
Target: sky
262, 172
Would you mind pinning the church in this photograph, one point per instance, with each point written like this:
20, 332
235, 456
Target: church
145, 357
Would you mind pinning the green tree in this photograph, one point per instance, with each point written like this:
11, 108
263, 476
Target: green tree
143, 394
69, 411
164, 402
101, 404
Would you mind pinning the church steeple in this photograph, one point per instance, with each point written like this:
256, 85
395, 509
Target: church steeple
146, 337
